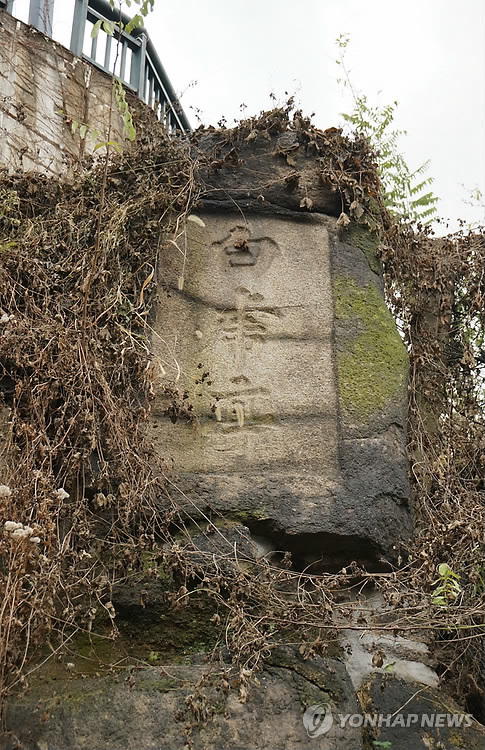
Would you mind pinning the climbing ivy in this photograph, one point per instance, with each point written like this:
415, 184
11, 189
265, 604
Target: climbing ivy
110, 28
137, 20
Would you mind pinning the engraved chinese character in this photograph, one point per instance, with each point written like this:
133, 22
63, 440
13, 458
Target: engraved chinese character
241, 250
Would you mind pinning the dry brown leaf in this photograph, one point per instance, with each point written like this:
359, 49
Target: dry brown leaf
343, 220
145, 284
306, 203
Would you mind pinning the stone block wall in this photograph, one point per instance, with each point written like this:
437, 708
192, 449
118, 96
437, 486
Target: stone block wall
43, 89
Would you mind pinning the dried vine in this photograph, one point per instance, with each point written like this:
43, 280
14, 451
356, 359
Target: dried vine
88, 505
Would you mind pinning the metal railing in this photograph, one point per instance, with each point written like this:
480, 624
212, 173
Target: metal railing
40, 13
132, 57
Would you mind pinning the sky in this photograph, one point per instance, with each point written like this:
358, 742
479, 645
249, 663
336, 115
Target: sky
225, 58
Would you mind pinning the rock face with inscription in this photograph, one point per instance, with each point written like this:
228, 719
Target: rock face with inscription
275, 331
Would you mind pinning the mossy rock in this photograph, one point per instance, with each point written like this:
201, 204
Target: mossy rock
359, 235
372, 361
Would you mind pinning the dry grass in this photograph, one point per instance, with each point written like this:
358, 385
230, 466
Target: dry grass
77, 374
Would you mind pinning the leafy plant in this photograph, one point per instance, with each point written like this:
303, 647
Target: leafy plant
153, 657
110, 28
447, 587
85, 131
123, 109
406, 192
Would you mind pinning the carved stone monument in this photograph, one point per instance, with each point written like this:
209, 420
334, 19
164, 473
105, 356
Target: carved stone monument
263, 338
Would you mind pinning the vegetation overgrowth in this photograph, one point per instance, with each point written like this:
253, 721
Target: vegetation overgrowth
88, 505
406, 193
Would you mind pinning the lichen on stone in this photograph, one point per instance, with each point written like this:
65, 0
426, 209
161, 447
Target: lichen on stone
372, 362
359, 235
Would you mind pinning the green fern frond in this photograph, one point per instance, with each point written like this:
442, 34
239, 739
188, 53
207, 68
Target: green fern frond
405, 191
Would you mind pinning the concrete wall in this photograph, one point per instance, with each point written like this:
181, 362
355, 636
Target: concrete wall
39, 80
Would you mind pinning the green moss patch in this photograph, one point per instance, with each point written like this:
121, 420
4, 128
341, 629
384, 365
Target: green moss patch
372, 364
366, 240
173, 636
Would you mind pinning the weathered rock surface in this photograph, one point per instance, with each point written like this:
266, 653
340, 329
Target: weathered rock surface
416, 718
150, 709
282, 342
363, 650
267, 172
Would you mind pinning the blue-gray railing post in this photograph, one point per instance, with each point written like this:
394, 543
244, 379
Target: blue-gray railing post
138, 67
79, 26
137, 63
7, 4
40, 15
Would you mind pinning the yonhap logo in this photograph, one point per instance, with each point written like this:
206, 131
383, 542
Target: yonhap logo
317, 719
